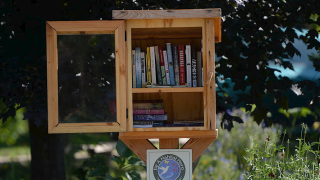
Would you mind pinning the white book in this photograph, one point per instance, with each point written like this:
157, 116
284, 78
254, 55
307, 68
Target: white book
166, 65
153, 66
134, 80
188, 65
143, 69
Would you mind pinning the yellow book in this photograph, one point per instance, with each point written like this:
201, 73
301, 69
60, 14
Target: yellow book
148, 67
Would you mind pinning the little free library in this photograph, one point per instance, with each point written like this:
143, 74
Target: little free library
148, 74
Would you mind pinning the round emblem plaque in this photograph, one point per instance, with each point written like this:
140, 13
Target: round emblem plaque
169, 167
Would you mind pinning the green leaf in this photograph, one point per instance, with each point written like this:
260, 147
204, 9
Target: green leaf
118, 160
134, 175
99, 171
123, 150
134, 160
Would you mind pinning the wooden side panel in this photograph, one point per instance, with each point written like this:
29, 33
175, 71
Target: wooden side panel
169, 143
129, 79
166, 14
120, 51
84, 128
139, 147
52, 77
198, 146
210, 55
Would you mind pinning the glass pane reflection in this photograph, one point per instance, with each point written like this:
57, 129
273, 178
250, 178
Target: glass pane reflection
86, 78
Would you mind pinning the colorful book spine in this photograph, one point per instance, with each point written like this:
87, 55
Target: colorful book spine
142, 126
143, 70
147, 105
142, 122
158, 123
194, 66
199, 69
158, 66
138, 67
148, 111
177, 125
176, 64
182, 65
134, 78
150, 117
188, 65
165, 58
153, 66
163, 69
170, 62
148, 66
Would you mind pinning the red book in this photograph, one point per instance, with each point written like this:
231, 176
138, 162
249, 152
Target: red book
148, 111
163, 71
181, 65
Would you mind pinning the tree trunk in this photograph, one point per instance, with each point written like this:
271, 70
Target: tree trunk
47, 153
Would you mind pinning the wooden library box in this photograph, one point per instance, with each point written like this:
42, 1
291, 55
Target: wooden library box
94, 84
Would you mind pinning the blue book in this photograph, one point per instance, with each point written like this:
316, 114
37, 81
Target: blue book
150, 117
138, 67
170, 62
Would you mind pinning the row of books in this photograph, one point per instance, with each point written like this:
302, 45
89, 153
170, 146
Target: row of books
150, 113
175, 66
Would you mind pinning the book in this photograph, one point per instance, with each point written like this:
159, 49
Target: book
147, 104
170, 63
158, 66
188, 122
188, 65
182, 65
134, 78
143, 70
177, 125
143, 126
175, 55
163, 69
138, 67
165, 86
153, 66
158, 123
199, 69
194, 66
148, 111
148, 66
142, 122
150, 117
165, 58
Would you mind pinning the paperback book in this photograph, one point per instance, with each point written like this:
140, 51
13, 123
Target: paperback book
153, 66
144, 104
188, 65
163, 69
143, 70
176, 64
148, 111
150, 117
134, 78
158, 66
170, 63
138, 67
165, 58
182, 65
194, 66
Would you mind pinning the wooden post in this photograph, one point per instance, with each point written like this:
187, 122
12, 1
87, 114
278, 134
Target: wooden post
169, 143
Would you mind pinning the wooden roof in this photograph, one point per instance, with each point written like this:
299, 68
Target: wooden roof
214, 13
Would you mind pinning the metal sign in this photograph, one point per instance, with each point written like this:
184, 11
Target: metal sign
169, 164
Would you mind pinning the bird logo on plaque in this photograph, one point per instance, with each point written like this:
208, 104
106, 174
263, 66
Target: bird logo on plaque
169, 164
169, 167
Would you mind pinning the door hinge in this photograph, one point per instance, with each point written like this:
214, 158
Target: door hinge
127, 112
125, 35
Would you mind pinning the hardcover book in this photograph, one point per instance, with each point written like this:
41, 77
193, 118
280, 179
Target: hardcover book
150, 104
138, 67
143, 70
163, 69
170, 62
165, 58
158, 66
188, 65
150, 117
153, 66
158, 123
143, 126
199, 69
148, 111
142, 122
182, 65
194, 66
176, 64
183, 125
148, 66
134, 78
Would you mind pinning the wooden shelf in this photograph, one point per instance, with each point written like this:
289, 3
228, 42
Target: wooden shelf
169, 134
157, 90
181, 128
